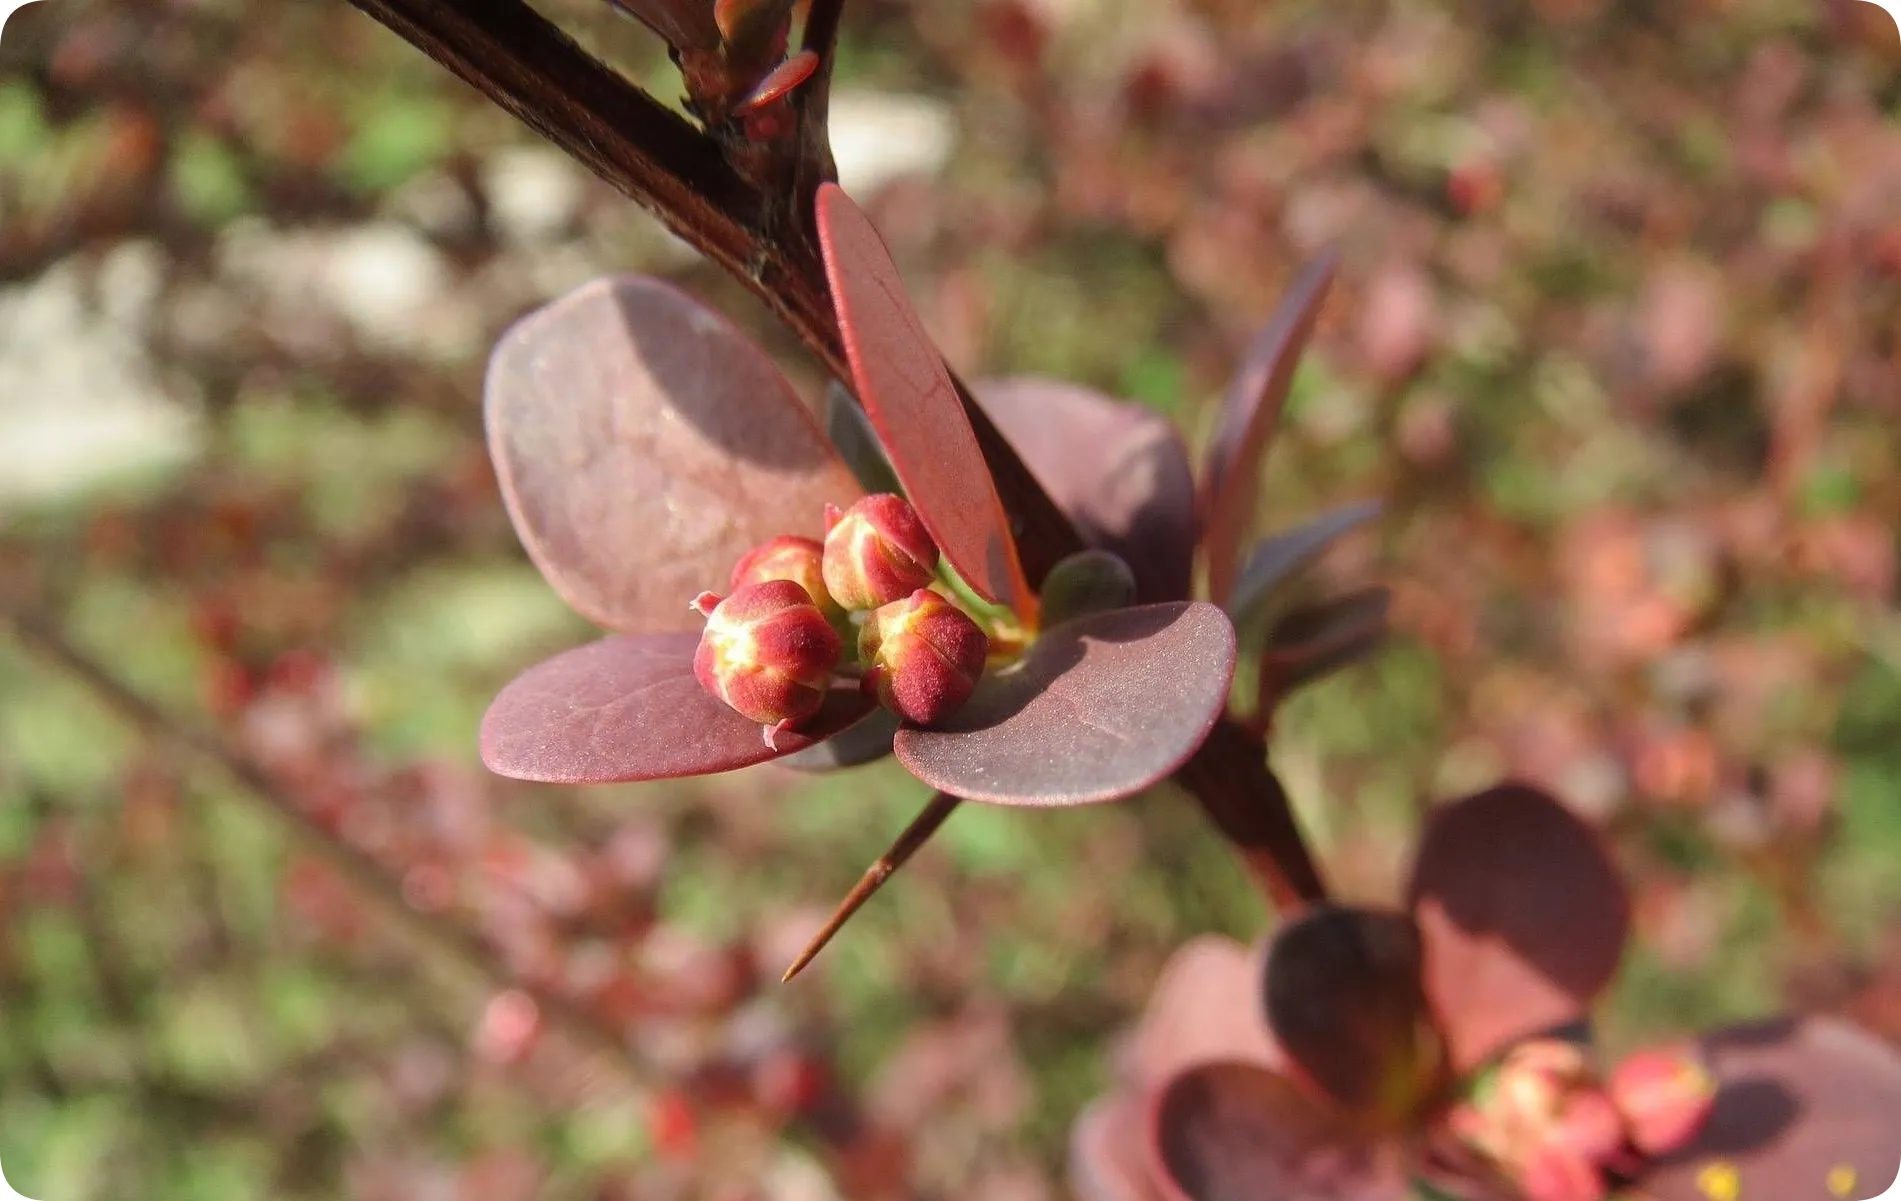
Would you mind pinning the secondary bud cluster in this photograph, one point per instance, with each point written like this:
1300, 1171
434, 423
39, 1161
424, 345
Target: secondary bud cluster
1560, 1133
772, 646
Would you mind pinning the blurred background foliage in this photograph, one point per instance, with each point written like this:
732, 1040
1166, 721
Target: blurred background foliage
1615, 336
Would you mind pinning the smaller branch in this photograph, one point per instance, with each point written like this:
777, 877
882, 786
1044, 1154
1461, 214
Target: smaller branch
914, 836
365, 875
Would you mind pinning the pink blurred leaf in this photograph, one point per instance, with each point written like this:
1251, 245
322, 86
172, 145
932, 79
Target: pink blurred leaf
1807, 1108
1344, 1001
1239, 1132
629, 708
1101, 707
1231, 473
1117, 470
1107, 1161
913, 404
1205, 1007
643, 445
1523, 916
1276, 564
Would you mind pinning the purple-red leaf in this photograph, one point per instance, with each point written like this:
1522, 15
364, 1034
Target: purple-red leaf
1238, 1132
1276, 564
1206, 1007
1231, 474
1118, 471
629, 708
1523, 917
912, 403
685, 24
860, 743
643, 445
1808, 1110
1345, 1004
857, 443
1310, 642
1101, 707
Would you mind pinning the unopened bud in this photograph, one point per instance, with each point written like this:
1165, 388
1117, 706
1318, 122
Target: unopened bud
1665, 1095
877, 552
767, 652
1588, 1125
923, 656
801, 560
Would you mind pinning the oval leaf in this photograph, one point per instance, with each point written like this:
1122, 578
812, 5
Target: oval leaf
1231, 473
1101, 707
912, 403
1118, 471
1346, 1006
643, 445
629, 708
1106, 1157
1238, 1132
857, 443
1205, 1008
1523, 917
1807, 1108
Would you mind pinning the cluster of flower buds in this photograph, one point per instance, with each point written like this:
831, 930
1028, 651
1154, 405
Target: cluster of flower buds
797, 609
1562, 1134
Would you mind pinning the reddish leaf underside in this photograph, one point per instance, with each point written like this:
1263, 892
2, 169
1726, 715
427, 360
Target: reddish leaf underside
1522, 914
642, 445
1118, 471
1238, 1132
1344, 1001
1231, 474
629, 708
1101, 707
1809, 1110
913, 404
1107, 1157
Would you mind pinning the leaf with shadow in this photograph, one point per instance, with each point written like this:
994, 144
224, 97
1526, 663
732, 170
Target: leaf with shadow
1231, 471
1522, 914
629, 708
857, 443
1239, 1132
1317, 640
1100, 707
1808, 1109
642, 445
914, 406
1345, 1004
1276, 565
861, 742
1117, 470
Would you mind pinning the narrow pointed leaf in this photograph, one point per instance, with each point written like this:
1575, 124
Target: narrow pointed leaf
1523, 916
913, 404
915, 835
1275, 566
643, 445
1231, 475
1807, 1108
629, 708
684, 24
1344, 1001
1101, 707
1238, 1132
1117, 470
857, 443
1312, 642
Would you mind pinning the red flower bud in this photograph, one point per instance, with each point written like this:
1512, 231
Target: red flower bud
801, 560
1552, 1173
923, 656
768, 652
1665, 1095
877, 552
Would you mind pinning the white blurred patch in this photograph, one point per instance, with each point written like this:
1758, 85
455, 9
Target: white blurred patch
81, 403
534, 193
881, 136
